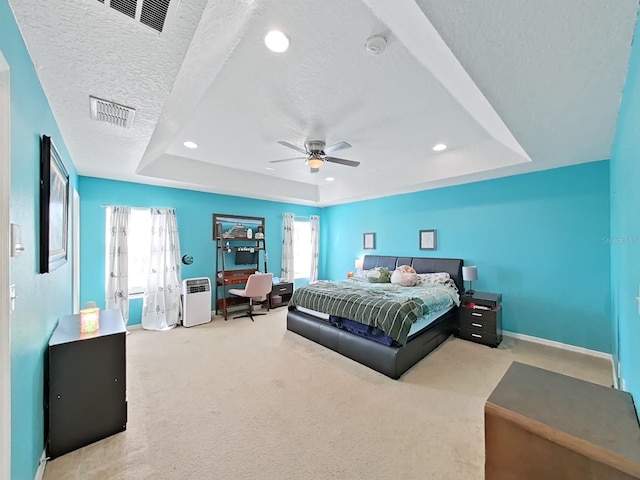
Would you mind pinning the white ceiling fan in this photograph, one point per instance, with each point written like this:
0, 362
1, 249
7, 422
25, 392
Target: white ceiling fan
316, 154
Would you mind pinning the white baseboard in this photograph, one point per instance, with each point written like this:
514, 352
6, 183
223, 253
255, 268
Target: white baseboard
137, 326
614, 374
564, 346
571, 348
42, 464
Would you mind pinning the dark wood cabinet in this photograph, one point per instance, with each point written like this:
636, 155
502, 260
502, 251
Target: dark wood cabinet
480, 318
85, 383
282, 290
545, 425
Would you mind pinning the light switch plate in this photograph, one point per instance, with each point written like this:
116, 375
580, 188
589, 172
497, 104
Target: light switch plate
12, 296
16, 240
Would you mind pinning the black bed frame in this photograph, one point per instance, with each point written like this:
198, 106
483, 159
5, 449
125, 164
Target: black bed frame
390, 360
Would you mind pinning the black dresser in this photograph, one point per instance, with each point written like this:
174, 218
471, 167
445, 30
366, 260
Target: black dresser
480, 318
85, 383
282, 290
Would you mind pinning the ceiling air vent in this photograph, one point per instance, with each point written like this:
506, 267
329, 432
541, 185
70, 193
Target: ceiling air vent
152, 13
128, 7
112, 113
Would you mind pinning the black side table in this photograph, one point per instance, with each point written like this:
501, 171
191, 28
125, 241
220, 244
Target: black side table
480, 318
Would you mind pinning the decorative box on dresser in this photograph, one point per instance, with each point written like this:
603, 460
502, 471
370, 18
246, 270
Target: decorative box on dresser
480, 318
85, 383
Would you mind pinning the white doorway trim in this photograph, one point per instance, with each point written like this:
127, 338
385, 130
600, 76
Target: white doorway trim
5, 276
75, 258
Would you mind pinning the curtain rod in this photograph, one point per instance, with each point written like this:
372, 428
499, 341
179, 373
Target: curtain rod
139, 208
302, 216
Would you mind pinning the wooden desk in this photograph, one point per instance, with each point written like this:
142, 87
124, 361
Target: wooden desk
544, 425
231, 278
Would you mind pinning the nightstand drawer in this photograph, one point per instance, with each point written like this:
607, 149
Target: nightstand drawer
476, 319
490, 339
282, 289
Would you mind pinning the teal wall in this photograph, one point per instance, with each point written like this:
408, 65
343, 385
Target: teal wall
194, 212
42, 299
542, 239
625, 227
538, 238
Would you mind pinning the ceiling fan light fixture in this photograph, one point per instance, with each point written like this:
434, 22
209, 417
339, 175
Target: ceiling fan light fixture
276, 41
315, 162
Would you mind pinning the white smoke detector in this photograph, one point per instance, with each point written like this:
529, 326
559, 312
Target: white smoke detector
375, 45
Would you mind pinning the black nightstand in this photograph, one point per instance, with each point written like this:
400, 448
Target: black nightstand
480, 318
283, 290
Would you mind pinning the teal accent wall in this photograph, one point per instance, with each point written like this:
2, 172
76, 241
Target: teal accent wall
194, 212
41, 299
539, 239
625, 227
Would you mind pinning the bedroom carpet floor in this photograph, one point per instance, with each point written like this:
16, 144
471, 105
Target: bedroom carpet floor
243, 400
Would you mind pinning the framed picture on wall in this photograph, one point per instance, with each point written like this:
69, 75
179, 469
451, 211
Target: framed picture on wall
427, 239
369, 241
54, 207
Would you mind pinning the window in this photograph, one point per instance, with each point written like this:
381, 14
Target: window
302, 249
139, 246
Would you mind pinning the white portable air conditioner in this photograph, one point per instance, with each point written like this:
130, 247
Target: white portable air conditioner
196, 297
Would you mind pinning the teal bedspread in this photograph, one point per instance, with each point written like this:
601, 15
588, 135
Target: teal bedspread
391, 308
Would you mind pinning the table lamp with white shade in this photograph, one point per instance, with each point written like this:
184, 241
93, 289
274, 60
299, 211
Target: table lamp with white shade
469, 274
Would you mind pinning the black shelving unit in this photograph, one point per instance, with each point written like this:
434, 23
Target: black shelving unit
230, 233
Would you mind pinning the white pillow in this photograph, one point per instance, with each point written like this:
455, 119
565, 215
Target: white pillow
360, 275
440, 278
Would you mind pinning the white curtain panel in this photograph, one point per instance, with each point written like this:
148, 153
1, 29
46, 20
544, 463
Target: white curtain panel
161, 308
288, 272
314, 220
117, 284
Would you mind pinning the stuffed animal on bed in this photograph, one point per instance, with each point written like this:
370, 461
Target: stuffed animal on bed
378, 275
404, 276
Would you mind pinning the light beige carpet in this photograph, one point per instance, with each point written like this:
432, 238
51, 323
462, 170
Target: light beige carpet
243, 400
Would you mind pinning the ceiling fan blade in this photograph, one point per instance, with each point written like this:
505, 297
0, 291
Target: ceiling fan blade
290, 145
342, 161
336, 147
287, 159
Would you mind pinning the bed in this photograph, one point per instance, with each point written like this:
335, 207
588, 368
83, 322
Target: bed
394, 359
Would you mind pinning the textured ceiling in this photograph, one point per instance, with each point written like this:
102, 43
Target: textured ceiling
509, 86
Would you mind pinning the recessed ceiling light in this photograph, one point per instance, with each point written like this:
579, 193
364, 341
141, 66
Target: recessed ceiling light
276, 41
190, 144
330, 179
439, 147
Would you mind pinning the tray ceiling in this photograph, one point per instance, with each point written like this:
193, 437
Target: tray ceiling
509, 87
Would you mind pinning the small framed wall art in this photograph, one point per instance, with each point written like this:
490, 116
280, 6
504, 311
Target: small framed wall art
427, 239
369, 241
54, 207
